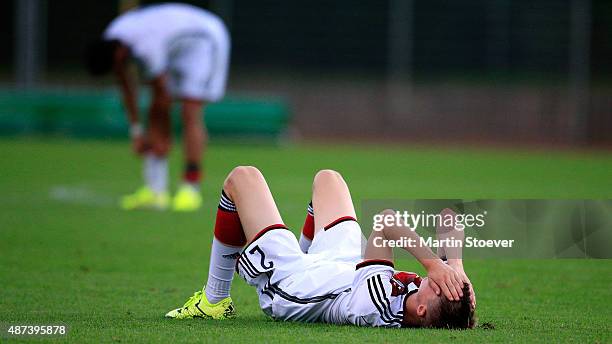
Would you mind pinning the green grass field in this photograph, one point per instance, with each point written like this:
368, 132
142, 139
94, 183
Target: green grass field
69, 255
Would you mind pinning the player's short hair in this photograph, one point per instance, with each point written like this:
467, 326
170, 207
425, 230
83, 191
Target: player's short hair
99, 56
443, 313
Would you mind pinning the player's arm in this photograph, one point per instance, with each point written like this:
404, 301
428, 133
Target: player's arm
445, 279
128, 88
453, 254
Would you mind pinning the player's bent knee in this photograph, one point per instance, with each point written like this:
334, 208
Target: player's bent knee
325, 176
239, 174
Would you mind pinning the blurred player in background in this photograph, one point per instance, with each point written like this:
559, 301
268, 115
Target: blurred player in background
183, 54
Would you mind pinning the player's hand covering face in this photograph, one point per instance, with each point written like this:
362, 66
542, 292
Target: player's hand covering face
444, 279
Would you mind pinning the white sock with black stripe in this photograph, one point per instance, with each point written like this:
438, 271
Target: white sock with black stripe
220, 271
226, 246
226, 203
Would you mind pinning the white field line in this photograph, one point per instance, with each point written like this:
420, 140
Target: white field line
80, 194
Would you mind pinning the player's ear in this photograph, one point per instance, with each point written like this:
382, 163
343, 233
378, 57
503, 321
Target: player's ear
421, 310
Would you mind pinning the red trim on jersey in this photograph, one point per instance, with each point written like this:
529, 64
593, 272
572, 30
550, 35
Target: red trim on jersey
337, 221
267, 229
374, 262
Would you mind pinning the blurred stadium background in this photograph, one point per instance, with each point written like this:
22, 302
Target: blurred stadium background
475, 98
472, 71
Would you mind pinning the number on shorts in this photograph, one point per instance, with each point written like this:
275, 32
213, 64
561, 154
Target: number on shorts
270, 264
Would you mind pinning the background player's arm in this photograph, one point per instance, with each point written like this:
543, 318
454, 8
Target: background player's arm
445, 278
127, 85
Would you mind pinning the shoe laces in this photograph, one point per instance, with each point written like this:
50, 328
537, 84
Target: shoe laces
193, 299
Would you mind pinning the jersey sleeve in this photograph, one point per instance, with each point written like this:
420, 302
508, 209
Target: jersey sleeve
372, 302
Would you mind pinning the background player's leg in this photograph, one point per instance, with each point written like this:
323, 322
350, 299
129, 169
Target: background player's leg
156, 147
193, 66
159, 135
188, 196
331, 199
159, 142
194, 140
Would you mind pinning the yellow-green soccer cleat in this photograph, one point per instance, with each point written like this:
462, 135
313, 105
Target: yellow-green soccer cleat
187, 198
198, 307
145, 198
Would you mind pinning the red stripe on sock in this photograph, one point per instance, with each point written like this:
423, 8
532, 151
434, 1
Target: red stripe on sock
228, 228
308, 228
192, 176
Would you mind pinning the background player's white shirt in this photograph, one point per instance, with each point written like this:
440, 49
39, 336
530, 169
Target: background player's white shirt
150, 31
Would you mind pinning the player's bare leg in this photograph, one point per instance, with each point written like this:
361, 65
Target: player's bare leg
331, 201
194, 132
159, 132
245, 208
194, 143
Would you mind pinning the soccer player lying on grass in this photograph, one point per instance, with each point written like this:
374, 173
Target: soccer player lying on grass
324, 277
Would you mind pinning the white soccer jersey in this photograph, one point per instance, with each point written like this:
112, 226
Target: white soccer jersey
189, 43
377, 296
329, 284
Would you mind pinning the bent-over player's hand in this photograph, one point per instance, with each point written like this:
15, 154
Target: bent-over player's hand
444, 279
139, 145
